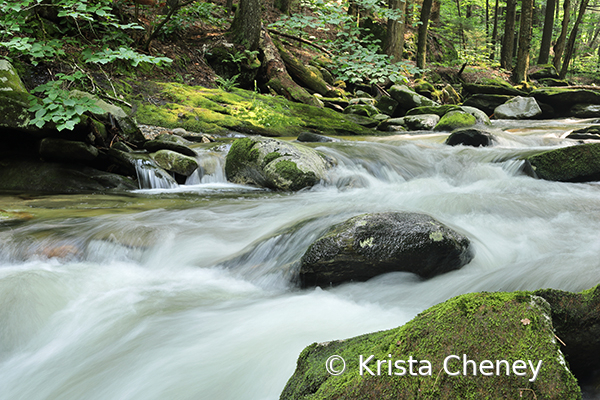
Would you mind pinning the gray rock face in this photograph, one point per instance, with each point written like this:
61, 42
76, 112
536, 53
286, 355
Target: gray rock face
486, 102
366, 110
274, 164
470, 137
409, 99
372, 244
392, 124
423, 122
518, 108
170, 142
387, 105
479, 115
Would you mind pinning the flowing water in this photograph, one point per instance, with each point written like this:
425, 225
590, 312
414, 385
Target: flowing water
189, 292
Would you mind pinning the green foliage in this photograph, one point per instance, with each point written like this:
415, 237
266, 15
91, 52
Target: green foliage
57, 106
124, 53
36, 50
227, 84
188, 16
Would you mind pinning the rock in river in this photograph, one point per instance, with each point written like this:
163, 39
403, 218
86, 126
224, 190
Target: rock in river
579, 163
373, 244
274, 164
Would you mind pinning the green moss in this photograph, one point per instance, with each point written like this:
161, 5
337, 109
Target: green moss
270, 157
484, 326
437, 110
299, 179
567, 164
454, 120
239, 155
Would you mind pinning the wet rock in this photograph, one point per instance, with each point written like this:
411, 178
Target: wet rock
363, 100
470, 137
424, 122
43, 177
175, 162
454, 120
387, 105
560, 98
579, 163
585, 111
14, 102
518, 108
576, 318
132, 163
486, 102
122, 146
315, 138
12, 218
408, 99
475, 326
392, 124
53, 149
274, 164
170, 142
479, 115
591, 132
437, 110
373, 244
361, 120
366, 110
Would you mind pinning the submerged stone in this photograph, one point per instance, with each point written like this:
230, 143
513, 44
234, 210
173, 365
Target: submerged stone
373, 244
274, 164
470, 137
474, 346
579, 163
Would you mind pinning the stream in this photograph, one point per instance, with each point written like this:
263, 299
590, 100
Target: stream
190, 293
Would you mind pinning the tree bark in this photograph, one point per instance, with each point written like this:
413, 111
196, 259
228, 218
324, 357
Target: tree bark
547, 33
422, 40
494, 32
522, 67
560, 43
506, 53
570, 49
277, 77
395, 32
246, 25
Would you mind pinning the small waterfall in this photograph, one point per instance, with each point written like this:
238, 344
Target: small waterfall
211, 170
151, 177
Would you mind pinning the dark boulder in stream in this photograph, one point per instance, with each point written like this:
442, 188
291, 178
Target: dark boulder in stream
579, 163
470, 137
373, 244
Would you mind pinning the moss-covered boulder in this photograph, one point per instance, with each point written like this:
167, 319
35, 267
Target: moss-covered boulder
492, 86
486, 102
563, 99
576, 318
387, 105
518, 108
454, 120
579, 163
449, 95
46, 177
274, 164
392, 124
553, 82
424, 88
437, 110
52, 149
479, 115
590, 132
544, 71
408, 98
423, 122
315, 138
474, 346
14, 102
373, 244
368, 110
176, 143
173, 161
214, 111
470, 137
585, 111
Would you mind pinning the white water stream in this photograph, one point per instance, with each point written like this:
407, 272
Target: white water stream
185, 293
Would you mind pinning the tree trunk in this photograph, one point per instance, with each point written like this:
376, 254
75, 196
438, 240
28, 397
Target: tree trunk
494, 32
560, 43
461, 32
422, 40
547, 35
395, 32
509, 34
246, 25
570, 49
277, 77
522, 67
435, 18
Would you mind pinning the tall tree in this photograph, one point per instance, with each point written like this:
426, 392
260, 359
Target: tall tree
246, 24
520, 72
508, 43
570, 49
494, 32
395, 30
547, 33
559, 47
422, 39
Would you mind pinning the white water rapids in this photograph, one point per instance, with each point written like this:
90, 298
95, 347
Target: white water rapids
186, 293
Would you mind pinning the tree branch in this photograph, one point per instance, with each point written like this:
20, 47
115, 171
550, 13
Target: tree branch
316, 46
